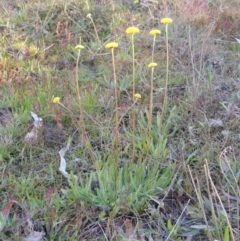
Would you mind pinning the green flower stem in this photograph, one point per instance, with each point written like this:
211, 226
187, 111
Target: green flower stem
115, 164
150, 103
133, 65
166, 83
96, 32
151, 89
154, 41
149, 126
166, 89
133, 89
81, 114
116, 101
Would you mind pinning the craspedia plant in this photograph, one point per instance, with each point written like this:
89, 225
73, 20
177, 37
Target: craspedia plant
89, 16
154, 32
133, 31
166, 21
56, 100
112, 46
152, 65
79, 47
137, 96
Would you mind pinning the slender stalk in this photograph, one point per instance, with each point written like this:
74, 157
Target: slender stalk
115, 164
167, 72
95, 29
81, 114
200, 200
207, 172
154, 41
87, 5
111, 46
149, 126
154, 33
133, 65
151, 90
165, 21
150, 103
133, 89
116, 103
132, 31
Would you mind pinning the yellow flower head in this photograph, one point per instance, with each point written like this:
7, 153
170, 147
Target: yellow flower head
33, 49
56, 100
137, 96
152, 65
89, 15
28, 78
79, 46
161, 204
111, 45
154, 32
166, 20
132, 30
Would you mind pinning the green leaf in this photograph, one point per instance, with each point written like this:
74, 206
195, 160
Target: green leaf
169, 225
226, 234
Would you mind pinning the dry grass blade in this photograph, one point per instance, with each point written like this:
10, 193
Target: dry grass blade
4, 213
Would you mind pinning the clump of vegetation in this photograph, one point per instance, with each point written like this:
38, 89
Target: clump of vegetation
110, 133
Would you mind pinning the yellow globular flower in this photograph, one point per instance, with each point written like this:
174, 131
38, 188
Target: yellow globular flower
154, 32
111, 45
137, 96
28, 78
132, 30
166, 20
79, 46
19, 45
161, 204
89, 15
152, 65
56, 100
33, 49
